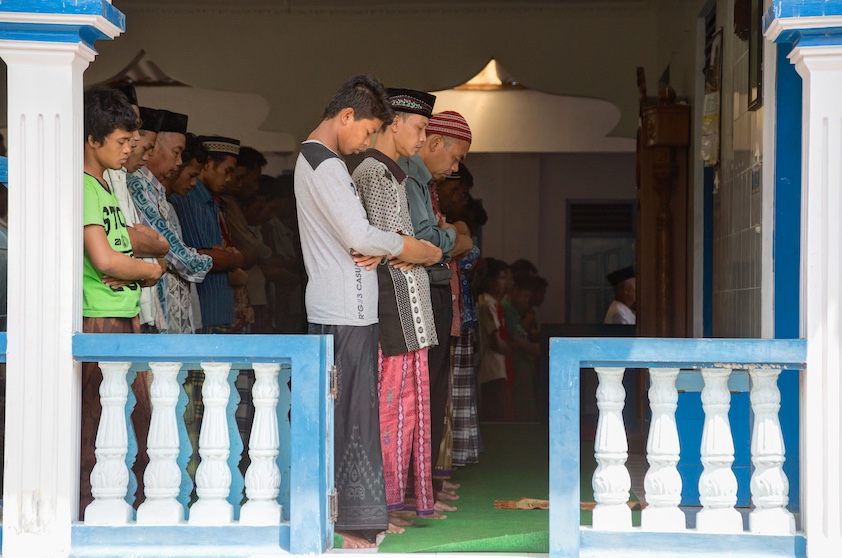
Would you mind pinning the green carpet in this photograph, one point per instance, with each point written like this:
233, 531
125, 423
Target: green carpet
515, 464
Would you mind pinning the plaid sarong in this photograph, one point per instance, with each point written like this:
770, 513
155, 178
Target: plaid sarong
463, 395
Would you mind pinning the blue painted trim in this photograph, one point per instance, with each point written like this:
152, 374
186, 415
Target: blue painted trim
85, 34
76, 7
803, 8
642, 543
3, 346
311, 473
283, 461
235, 447
4, 170
58, 32
786, 251
567, 357
187, 348
565, 459
227, 540
185, 449
642, 352
132, 447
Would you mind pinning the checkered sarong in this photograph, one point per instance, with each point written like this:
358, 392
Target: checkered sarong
463, 393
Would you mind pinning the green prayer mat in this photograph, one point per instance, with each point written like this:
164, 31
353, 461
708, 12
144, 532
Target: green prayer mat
515, 464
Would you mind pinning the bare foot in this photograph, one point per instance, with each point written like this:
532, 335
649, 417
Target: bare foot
352, 540
447, 485
442, 507
436, 515
447, 495
396, 519
395, 529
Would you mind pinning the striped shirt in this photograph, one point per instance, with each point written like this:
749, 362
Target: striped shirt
199, 218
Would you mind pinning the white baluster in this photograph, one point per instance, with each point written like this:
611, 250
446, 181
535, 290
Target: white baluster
611, 480
662, 481
717, 484
769, 485
213, 477
110, 476
263, 477
162, 478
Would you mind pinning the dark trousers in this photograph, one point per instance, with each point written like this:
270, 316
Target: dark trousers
439, 363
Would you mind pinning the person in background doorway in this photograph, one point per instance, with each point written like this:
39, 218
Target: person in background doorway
621, 310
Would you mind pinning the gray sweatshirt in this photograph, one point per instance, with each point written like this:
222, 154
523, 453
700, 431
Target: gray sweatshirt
332, 222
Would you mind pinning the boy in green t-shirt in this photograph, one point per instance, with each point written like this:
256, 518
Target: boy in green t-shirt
112, 277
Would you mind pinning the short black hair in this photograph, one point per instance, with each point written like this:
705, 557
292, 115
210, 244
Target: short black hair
366, 95
465, 176
524, 266
251, 158
193, 149
493, 267
106, 110
474, 214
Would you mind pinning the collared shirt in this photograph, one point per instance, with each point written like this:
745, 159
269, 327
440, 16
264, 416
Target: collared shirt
116, 180
199, 218
185, 264
424, 218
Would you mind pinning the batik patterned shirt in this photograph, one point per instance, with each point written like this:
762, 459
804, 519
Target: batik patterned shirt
185, 266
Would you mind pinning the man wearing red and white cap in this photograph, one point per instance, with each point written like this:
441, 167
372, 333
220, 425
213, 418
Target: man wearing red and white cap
448, 141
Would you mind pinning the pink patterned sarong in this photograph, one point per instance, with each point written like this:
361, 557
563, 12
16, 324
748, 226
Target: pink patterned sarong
404, 384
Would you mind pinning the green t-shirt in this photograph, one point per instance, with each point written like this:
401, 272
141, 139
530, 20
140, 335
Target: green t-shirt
98, 299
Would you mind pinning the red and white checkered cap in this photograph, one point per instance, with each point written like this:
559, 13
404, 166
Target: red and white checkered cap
450, 123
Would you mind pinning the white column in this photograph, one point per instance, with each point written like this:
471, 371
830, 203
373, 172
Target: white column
110, 476
769, 485
717, 484
821, 297
162, 477
213, 477
263, 477
611, 480
45, 273
662, 481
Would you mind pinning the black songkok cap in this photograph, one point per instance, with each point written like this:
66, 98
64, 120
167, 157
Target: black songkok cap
151, 119
414, 102
219, 144
129, 91
617, 277
174, 122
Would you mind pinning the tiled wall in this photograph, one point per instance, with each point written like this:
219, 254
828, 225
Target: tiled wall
738, 197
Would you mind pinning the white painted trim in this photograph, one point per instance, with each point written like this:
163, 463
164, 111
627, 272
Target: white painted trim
767, 216
97, 21
45, 270
781, 24
821, 297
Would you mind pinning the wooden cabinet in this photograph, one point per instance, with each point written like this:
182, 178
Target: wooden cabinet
663, 253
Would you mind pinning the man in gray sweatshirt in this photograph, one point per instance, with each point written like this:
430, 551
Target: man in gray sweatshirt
340, 250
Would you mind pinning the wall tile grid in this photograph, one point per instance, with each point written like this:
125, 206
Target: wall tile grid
737, 202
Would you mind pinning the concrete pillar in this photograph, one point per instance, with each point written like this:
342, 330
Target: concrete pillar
816, 32
46, 54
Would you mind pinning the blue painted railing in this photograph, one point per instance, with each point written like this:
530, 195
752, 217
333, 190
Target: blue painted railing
307, 448
567, 357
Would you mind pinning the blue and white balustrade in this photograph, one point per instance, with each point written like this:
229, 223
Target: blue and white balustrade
288, 480
719, 525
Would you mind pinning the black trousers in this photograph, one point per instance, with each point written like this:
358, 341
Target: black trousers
439, 363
